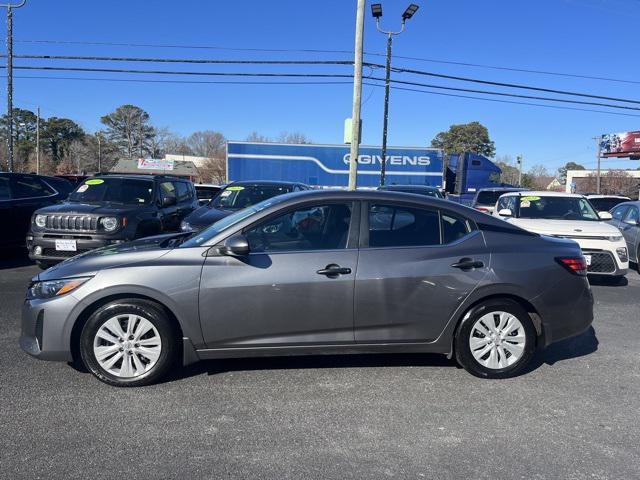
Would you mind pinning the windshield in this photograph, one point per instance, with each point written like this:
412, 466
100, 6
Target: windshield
556, 208
489, 197
118, 190
236, 197
221, 225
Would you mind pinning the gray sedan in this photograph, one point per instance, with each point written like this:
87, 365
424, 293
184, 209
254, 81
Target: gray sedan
315, 272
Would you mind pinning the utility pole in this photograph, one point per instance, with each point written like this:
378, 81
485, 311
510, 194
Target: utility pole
357, 97
38, 142
599, 154
10, 7
519, 162
376, 11
140, 133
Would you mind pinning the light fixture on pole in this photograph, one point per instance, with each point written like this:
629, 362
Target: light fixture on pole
376, 12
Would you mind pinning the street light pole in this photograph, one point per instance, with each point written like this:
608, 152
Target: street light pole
357, 97
10, 7
38, 142
519, 162
376, 11
599, 155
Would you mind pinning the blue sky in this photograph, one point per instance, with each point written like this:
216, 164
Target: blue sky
584, 37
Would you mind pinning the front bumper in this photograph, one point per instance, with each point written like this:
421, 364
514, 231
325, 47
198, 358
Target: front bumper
605, 256
45, 332
47, 245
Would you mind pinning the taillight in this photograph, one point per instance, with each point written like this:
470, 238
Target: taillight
576, 265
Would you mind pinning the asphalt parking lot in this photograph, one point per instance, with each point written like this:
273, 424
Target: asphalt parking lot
574, 415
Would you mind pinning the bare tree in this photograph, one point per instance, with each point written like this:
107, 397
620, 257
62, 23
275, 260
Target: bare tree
128, 127
293, 137
612, 182
207, 143
256, 137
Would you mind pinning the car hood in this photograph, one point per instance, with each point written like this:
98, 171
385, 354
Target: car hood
566, 227
206, 215
130, 253
72, 208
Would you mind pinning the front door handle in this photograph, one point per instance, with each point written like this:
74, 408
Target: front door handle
467, 264
333, 270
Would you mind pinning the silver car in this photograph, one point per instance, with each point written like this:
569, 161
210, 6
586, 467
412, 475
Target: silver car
626, 217
316, 272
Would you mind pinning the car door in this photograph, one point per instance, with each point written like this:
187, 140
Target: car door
295, 287
617, 214
170, 217
631, 231
9, 236
415, 266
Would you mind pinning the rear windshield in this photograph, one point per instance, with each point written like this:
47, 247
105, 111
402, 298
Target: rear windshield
128, 191
606, 204
489, 198
235, 197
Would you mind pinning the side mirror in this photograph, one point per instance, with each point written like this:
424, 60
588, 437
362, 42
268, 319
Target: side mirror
169, 201
505, 212
605, 215
236, 246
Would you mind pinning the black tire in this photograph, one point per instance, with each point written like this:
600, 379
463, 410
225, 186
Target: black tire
149, 311
463, 352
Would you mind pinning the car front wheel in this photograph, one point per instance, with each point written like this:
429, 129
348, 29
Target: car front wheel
495, 340
128, 343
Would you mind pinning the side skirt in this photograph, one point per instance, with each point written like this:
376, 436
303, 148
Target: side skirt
240, 352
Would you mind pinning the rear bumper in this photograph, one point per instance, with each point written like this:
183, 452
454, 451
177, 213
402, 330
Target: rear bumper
568, 316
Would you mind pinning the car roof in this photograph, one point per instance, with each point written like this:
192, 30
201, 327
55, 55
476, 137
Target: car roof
264, 182
138, 176
544, 193
607, 196
414, 187
631, 202
501, 189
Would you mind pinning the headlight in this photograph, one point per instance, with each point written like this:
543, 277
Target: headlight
185, 226
41, 221
615, 238
109, 223
53, 288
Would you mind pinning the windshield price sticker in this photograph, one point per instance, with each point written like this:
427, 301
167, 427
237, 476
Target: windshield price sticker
83, 188
226, 193
234, 189
529, 199
94, 181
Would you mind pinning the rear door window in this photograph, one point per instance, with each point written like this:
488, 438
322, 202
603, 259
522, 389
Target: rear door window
182, 190
167, 189
618, 213
632, 216
400, 226
454, 227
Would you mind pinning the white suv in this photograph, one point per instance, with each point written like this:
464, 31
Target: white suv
571, 216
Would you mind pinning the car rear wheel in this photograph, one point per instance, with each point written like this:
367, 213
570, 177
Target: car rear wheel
128, 343
495, 340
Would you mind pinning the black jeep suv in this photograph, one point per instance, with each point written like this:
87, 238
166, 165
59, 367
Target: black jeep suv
109, 209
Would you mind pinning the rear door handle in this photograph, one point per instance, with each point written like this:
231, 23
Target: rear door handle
467, 264
334, 270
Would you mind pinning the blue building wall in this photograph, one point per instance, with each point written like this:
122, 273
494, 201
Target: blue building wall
328, 165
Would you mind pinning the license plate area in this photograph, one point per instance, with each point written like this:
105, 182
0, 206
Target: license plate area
66, 245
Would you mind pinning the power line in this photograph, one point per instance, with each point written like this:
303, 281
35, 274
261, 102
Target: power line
347, 52
317, 75
507, 101
183, 60
509, 85
232, 82
297, 62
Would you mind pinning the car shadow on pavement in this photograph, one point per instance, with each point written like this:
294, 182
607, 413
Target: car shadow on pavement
579, 346
214, 367
14, 258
